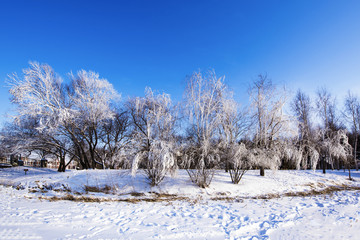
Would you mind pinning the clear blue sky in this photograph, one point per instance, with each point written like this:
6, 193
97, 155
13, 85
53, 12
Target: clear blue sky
134, 44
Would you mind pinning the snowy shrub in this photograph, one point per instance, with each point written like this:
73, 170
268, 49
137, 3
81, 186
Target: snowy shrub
338, 148
313, 156
267, 158
334, 146
291, 156
159, 161
239, 161
200, 165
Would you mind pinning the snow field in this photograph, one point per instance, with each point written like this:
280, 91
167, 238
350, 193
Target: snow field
24, 216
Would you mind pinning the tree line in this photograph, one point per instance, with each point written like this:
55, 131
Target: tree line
85, 120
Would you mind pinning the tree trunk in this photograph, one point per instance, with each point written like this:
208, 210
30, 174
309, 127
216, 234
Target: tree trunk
355, 159
226, 166
62, 165
349, 174
262, 171
323, 165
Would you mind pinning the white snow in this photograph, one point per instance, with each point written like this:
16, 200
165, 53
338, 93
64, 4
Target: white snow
23, 215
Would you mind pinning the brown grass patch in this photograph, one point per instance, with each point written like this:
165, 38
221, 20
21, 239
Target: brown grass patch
137, 194
221, 193
163, 195
268, 196
156, 198
325, 191
227, 199
70, 197
106, 189
12, 184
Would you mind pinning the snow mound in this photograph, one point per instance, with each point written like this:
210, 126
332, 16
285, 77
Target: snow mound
121, 184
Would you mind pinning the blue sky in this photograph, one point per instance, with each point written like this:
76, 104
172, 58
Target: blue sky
302, 43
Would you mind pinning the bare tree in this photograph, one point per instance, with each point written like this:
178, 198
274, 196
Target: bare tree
301, 107
326, 108
323, 103
115, 138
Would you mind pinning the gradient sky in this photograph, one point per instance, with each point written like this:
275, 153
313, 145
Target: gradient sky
302, 43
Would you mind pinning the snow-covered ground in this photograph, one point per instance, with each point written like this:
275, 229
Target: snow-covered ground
126, 208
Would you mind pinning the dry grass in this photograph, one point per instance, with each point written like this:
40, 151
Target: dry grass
325, 191
137, 194
12, 184
70, 197
63, 189
106, 189
313, 192
268, 196
156, 197
227, 199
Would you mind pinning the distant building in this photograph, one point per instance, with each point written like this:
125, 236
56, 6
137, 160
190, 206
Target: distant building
18, 160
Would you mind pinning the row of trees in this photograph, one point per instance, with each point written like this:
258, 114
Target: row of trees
83, 120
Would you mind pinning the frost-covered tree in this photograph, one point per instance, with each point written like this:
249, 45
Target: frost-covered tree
335, 147
267, 104
204, 94
73, 112
352, 114
90, 100
234, 123
40, 94
295, 156
268, 158
153, 120
326, 108
301, 107
115, 138
40, 97
22, 137
16, 138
